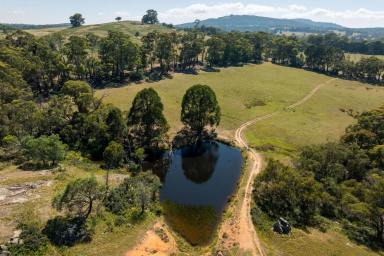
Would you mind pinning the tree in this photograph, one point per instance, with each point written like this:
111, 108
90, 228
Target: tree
81, 93
79, 197
118, 19
192, 45
148, 49
369, 130
165, 51
283, 192
77, 20
215, 52
114, 155
139, 191
375, 201
146, 121
119, 54
45, 149
334, 161
238, 49
285, 50
200, 109
76, 51
150, 17
115, 122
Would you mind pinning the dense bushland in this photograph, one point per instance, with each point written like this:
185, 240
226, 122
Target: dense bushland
341, 181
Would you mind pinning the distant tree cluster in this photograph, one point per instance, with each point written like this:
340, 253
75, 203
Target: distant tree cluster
341, 181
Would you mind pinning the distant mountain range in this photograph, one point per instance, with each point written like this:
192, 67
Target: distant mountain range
272, 25
31, 26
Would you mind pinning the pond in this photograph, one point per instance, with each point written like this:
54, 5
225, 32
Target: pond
197, 183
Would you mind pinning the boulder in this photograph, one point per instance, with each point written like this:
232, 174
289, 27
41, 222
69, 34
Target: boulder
282, 226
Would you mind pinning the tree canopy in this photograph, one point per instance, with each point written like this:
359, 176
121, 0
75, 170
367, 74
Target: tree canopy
200, 108
146, 120
77, 20
79, 197
150, 17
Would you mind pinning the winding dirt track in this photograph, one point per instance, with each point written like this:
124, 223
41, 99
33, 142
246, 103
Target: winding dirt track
247, 237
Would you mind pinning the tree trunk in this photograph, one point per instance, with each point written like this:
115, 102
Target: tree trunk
142, 208
89, 209
107, 181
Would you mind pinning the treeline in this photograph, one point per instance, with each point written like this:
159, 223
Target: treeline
340, 181
47, 63
349, 45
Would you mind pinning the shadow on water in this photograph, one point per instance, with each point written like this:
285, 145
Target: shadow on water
197, 183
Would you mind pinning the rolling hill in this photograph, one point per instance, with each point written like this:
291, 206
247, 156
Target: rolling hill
132, 28
272, 25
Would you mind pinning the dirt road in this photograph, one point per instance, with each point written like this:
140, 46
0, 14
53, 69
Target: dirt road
247, 238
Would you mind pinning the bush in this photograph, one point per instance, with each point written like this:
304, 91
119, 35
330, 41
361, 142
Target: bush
116, 201
34, 242
137, 76
114, 155
281, 191
140, 191
46, 149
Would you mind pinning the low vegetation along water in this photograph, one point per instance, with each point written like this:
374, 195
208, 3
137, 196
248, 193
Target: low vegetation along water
197, 183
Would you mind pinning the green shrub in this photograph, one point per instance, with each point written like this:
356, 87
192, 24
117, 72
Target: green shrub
46, 149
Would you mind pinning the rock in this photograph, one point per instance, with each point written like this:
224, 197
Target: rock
3, 248
14, 240
17, 233
282, 226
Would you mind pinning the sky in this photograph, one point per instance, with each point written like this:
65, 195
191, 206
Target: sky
350, 13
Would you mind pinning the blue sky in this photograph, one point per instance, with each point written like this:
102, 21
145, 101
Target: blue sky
352, 13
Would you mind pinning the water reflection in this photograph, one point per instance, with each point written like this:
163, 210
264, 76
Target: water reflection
197, 183
199, 162
196, 224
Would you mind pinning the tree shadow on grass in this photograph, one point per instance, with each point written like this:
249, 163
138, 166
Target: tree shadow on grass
36, 166
67, 231
362, 236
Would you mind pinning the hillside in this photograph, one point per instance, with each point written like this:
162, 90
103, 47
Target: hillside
128, 27
272, 25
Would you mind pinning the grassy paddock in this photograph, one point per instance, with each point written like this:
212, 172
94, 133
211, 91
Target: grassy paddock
323, 118
127, 27
243, 92
355, 57
314, 243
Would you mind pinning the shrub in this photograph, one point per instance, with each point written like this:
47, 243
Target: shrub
114, 155
46, 149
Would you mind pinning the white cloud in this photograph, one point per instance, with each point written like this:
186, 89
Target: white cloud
351, 18
121, 13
